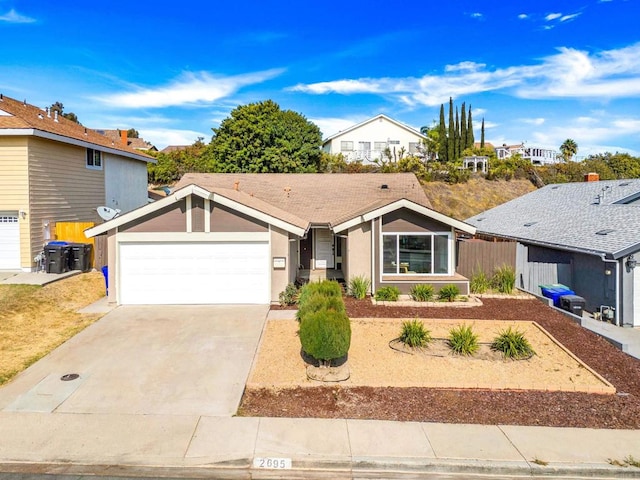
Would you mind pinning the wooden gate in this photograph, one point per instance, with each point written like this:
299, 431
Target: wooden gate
73, 232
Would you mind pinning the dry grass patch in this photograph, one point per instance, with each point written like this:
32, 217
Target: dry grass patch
34, 320
374, 363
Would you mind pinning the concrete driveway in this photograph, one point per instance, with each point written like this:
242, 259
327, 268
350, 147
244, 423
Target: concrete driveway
176, 360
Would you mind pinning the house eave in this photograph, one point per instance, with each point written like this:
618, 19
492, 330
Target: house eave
33, 132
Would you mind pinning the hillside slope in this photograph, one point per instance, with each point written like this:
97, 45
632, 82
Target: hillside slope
464, 200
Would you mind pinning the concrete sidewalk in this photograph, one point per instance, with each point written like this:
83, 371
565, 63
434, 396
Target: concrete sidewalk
243, 447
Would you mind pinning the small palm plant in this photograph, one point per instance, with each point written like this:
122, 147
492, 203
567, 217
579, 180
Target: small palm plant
448, 293
422, 292
359, 287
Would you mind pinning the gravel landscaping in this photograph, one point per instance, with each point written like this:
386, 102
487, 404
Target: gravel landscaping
556, 394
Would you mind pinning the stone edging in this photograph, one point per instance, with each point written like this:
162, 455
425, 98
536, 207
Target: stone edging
405, 301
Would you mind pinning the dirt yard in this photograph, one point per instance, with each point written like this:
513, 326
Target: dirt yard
485, 403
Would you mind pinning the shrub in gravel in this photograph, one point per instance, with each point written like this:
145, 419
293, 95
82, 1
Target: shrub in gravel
504, 279
388, 294
448, 293
289, 296
325, 330
512, 344
359, 286
414, 334
422, 292
463, 341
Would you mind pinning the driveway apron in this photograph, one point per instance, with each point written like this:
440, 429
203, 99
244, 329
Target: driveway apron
164, 360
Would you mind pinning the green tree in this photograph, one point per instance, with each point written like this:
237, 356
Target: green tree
463, 128
133, 133
482, 135
260, 138
451, 139
170, 167
442, 137
568, 149
456, 144
59, 107
470, 139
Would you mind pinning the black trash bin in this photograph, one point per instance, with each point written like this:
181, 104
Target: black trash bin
57, 257
573, 304
80, 256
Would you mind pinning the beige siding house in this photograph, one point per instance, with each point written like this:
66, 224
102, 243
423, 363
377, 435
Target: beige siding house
54, 170
241, 238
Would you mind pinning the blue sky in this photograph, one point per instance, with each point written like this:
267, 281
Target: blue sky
537, 71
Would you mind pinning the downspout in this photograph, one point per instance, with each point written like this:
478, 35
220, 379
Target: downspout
373, 258
618, 312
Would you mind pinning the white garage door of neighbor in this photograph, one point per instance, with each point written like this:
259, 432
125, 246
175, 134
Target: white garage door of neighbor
9, 242
194, 273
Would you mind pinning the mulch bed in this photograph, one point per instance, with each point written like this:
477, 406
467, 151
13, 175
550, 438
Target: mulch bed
556, 409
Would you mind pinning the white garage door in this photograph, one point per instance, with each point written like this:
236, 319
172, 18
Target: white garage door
194, 273
9, 242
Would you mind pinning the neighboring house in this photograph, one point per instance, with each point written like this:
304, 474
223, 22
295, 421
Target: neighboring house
367, 141
241, 238
583, 235
174, 148
55, 170
536, 155
135, 143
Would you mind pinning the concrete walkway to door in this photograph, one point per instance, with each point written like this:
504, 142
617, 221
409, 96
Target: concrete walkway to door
150, 360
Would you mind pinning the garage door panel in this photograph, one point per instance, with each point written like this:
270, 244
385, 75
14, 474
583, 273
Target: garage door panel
194, 273
9, 241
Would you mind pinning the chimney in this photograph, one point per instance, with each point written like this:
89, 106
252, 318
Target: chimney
123, 137
591, 177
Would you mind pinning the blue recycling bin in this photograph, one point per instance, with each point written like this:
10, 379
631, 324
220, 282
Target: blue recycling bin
105, 272
555, 291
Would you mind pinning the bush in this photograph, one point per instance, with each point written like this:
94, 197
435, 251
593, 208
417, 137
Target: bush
463, 341
289, 296
414, 334
480, 283
422, 292
512, 344
448, 293
504, 279
388, 294
325, 331
359, 287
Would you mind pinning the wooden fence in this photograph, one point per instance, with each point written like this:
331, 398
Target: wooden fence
486, 256
73, 232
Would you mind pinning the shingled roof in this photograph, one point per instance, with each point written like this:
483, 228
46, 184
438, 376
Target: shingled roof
324, 199
600, 218
20, 118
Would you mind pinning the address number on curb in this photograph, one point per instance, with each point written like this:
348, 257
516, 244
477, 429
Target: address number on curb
272, 463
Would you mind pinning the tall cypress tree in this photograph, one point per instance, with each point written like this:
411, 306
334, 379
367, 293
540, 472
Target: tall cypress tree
463, 129
451, 140
470, 139
457, 142
442, 137
482, 134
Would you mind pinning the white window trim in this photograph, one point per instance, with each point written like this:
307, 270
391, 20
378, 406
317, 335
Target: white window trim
86, 160
425, 275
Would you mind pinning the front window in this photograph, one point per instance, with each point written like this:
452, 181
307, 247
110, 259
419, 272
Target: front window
346, 146
415, 254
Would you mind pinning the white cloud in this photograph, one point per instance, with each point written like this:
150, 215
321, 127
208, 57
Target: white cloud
14, 17
552, 16
533, 121
523, 16
570, 17
488, 125
190, 88
476, 15
161, 137
569, 73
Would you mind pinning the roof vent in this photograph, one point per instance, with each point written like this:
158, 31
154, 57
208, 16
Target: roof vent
605, 231
236, 185
529, 224
384, 186
625, 184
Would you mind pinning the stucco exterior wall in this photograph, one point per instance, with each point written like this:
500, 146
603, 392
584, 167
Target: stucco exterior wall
125, 182
358, 258
279, 248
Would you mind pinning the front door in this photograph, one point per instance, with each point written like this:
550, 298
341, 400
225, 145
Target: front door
324, 248
306, 250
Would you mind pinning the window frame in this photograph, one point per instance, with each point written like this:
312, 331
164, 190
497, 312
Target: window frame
90, 161
433, 236
346, 145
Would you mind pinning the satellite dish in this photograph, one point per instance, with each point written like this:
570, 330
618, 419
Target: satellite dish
107, 213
